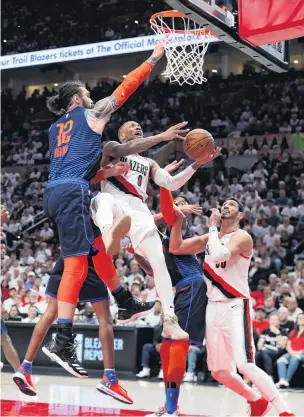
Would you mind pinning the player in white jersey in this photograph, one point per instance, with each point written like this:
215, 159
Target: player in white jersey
229, 338
126, 195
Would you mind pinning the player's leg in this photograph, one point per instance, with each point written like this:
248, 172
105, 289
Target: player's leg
151, 248
129, 307
68, 206
109, 384
23, 376
8, 348
243, 351
105, 210
220, 351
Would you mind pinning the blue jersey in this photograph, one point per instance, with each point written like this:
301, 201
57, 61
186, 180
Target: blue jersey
181, 266
75, 149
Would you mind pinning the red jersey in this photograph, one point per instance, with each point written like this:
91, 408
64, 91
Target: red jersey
260, 325
259, 297
296, 341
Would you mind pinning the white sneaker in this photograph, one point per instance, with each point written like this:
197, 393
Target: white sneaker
172, 329
144, 373
1, 366
112, 235
162, 412
161, 374
282, 383
189, 377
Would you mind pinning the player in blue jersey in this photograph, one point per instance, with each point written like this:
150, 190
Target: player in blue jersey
75, 154
190, 302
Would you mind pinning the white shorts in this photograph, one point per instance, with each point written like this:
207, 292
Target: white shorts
142, 221
229, 339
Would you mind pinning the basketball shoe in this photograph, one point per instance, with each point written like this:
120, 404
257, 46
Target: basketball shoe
62, 349
130, 307
287, 414
114, 390
259, 407
24, 382
172, 329
162, 412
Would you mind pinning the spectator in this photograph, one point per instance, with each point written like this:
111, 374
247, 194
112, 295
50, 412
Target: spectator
14, 314
150, 351
286, 226
46, 233
271, 238
288, 363
193, 354
271, 345
135, 271
269, 306
290, 210
89, 316
151, 290
5, 290
33, 315
260, 323
259, 294
11, 300
293, 309
153, 319
286, 324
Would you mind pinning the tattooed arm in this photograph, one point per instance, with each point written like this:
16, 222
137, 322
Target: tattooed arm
98, 116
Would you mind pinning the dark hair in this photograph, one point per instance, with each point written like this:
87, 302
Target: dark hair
59, 103
185, 198
241, 207
297, 327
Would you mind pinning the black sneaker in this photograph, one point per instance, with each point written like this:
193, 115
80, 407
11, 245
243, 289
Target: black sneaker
130, 307
62, 349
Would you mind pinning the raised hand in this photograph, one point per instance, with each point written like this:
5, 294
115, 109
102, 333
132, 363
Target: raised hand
121, 168
178, 213
175, 131
191, 209
209, 158
173, 166
215, 217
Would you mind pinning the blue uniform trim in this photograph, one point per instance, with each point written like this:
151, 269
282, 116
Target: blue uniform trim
190, 305
51, 295
83, 218
76, 254
68, 181
189, 279
94, 300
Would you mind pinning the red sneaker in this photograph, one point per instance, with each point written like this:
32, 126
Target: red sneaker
24, 382
114, 390
259, 408
287, 414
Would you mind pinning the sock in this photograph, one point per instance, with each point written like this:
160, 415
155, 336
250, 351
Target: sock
265, 385
176, 370
27, 365
166, 206
110, 374
279, 404
172, 395
65, 327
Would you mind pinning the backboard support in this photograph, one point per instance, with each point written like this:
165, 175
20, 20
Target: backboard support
224, 24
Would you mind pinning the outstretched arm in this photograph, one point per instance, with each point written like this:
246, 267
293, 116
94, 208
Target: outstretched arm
191, 246
164, 179
98, 116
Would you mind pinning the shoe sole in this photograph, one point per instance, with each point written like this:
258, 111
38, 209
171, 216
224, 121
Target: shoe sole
107, 391
119, 231
23, 386
64, 365
136, 315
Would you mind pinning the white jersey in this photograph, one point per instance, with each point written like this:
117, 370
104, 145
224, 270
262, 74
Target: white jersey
229, 279
135, 182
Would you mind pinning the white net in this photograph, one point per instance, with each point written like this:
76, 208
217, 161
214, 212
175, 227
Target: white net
185, 48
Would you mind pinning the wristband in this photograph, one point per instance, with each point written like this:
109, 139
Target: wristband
213, 229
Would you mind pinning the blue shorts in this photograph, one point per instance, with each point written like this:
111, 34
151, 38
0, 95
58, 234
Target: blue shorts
68, 206
190, 304
3, 327
93, 289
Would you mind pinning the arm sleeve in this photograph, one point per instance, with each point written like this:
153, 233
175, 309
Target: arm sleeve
218, 252
164, 179
166, 206
132, 81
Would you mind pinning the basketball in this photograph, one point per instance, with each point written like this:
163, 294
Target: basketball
198, 144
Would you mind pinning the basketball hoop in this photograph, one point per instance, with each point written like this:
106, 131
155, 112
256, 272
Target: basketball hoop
186, 45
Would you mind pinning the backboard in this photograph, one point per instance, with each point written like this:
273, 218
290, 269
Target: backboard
221, 17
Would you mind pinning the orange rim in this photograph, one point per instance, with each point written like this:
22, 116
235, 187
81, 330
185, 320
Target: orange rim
176, 13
